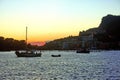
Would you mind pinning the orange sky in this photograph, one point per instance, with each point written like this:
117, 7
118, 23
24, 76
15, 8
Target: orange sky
52, 19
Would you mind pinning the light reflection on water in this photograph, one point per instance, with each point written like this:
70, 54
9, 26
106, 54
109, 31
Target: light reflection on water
104, 65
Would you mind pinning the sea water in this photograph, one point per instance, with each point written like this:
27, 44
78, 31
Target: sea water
102, 65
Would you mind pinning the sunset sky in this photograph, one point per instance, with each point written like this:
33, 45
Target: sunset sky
52, 19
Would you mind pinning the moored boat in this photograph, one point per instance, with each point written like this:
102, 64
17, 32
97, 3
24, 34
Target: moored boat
56, 55
83, 51
79, 51
28, 53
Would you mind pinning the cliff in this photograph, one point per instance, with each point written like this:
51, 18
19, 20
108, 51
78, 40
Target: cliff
110, 25
109, 19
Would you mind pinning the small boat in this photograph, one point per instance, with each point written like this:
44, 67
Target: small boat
83, 51
56, 55
28, 53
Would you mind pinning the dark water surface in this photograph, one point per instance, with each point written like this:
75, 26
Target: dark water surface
104, 65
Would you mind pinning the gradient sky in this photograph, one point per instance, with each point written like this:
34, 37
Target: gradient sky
52, 19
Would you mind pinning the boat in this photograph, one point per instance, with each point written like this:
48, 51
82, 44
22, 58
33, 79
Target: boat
56, 55
83, 51
28, 53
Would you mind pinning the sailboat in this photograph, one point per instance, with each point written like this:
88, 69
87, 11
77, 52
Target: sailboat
28, 53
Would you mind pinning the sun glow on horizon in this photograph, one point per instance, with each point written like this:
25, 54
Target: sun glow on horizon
52, 19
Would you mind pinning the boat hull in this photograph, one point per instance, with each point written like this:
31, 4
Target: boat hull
25, 54
79, 51
56, 55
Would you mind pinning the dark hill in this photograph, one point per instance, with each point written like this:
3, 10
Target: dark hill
111, 26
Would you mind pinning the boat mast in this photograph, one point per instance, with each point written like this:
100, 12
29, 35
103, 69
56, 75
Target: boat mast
26, 34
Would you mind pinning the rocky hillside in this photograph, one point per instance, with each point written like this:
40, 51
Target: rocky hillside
110, 25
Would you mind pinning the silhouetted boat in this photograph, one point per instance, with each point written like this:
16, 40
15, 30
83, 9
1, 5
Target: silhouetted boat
83, 51
56, 55
83, 48
28, 53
